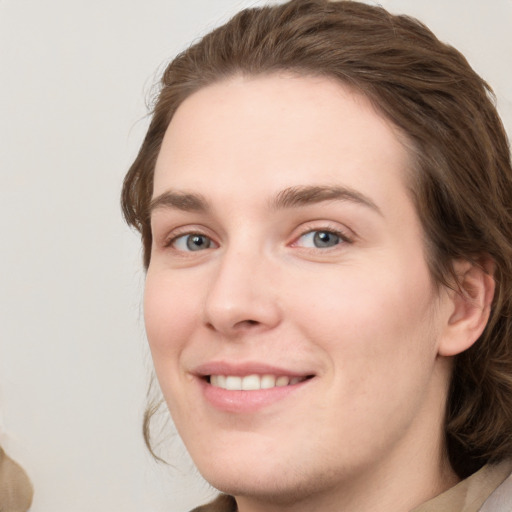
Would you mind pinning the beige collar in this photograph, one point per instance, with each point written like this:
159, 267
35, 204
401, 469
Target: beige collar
470, 494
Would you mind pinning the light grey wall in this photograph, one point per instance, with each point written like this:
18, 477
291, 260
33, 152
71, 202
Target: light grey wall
73, 362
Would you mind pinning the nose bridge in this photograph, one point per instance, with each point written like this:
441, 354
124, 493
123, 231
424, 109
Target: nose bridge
241, 296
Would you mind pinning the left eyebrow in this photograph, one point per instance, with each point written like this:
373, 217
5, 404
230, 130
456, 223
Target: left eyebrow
184, 201
294, 197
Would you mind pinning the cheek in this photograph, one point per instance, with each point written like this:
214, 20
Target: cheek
372, 315
378, 334
170, 312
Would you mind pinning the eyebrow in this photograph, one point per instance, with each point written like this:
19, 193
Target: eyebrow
187, 202
291, 197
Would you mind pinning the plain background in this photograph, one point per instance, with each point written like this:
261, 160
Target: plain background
75, 76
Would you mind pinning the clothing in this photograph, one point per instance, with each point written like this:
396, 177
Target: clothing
15, 487
487, 490
223, 503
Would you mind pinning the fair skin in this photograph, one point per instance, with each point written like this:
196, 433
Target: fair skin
286, 245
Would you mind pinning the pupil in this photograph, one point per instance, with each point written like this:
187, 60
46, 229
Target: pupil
197, 242
325, 239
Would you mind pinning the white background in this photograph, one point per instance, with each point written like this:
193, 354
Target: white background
74, 78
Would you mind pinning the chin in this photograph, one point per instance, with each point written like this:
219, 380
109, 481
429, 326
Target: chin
282, 489
265, 479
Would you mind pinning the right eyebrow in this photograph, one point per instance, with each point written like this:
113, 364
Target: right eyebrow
184, 201
310, 194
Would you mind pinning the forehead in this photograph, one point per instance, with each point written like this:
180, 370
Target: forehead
262, 134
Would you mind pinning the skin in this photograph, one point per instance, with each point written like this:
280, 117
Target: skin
362, 316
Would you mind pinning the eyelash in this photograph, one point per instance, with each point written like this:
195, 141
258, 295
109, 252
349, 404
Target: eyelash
341, 235
186, 233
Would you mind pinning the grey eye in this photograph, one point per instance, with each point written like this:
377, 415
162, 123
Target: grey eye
319, 239
325, 239
192, 242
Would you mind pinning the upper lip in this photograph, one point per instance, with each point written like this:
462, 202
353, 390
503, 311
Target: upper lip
247, 368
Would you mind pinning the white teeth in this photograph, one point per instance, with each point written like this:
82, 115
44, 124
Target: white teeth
268, 381
233, 383
252, 382
282, 381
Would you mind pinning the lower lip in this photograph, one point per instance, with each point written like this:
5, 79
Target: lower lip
247, 401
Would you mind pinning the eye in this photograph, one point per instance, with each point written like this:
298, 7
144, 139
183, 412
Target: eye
192, 242
320, 239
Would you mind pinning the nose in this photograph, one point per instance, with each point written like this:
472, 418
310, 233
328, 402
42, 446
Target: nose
242, 295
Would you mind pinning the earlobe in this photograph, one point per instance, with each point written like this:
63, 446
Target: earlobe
470, 304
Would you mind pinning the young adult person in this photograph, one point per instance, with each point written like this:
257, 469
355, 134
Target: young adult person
324, 197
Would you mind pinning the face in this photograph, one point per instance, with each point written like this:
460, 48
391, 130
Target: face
292, 319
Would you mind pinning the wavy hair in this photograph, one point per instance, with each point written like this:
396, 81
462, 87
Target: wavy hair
461, 182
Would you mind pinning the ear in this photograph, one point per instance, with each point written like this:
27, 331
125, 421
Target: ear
469, 305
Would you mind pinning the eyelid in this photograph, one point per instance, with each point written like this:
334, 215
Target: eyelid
345, 234
188, 230
179, 240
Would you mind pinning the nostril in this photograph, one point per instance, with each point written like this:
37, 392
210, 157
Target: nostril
241, 323
246, 324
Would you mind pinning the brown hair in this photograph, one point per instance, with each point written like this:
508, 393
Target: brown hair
461, 182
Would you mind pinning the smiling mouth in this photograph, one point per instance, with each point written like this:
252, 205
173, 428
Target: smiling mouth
253, 382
